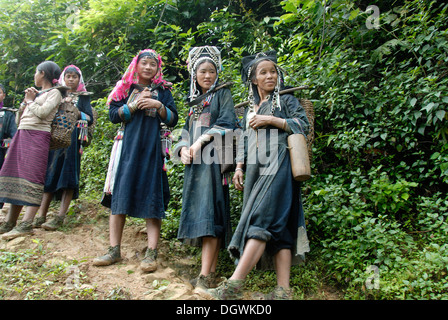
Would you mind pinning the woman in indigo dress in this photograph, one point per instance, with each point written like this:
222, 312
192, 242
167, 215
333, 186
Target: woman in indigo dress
140, 102
205, 217
272, 219
64, 165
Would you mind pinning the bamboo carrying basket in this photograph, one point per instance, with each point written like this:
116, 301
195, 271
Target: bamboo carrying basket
63, 125
309, 109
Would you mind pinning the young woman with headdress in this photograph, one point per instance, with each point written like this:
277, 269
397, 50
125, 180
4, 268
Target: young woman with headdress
205, 217
8, 127
64, 165
22, 176
272, 218
141, 101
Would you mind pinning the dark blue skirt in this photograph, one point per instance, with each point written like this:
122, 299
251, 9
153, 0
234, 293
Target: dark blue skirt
205, 204
272, 209
140, 181
64, 167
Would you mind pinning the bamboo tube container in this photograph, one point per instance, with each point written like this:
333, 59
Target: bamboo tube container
300, 161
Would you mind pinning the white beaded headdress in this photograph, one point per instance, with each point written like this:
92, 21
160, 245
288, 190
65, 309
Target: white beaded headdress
196, 56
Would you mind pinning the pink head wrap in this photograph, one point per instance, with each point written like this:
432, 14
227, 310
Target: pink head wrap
130, 77
81, 86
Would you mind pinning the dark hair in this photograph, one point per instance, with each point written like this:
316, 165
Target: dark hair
202, 62
3, 88
72, 70
51, 70
207, 60
147, 54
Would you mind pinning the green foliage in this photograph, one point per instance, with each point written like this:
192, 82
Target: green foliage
27, 276
380, 157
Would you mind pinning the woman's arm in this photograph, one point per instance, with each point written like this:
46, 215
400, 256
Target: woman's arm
295, 120
51, 102
226, 118
86, 109
117, 111
260, 121
168, 114
238, 177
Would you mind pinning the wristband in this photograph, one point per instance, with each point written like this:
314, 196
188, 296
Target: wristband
132, 106
126, 113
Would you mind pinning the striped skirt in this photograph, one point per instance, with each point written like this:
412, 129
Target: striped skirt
22, 176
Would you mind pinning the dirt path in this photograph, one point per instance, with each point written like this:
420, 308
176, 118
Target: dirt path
85, 236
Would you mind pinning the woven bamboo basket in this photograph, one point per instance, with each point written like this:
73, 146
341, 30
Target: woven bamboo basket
308, 106
63, 125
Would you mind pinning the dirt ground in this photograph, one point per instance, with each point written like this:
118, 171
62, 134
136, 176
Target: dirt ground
85, 236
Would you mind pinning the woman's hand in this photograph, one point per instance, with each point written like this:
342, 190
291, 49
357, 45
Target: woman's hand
145, 100
259, 121
185, 155
148, 103
30, 94
238, 180
195, 149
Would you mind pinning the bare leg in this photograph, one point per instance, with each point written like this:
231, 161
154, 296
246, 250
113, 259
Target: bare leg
210, 251
24, 228
30, 213
67, 196
149, 262
215, 259
116, 226
13, 214
251, 255
283, 267
45, 204
153, 230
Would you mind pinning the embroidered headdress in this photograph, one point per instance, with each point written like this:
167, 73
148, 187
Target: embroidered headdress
130, 77
249, 65
71, 68
196, 57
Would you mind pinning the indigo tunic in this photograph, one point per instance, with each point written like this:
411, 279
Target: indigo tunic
64, 165
272, 205
205, 200
140, 180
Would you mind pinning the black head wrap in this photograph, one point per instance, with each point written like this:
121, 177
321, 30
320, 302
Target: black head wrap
249, 61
